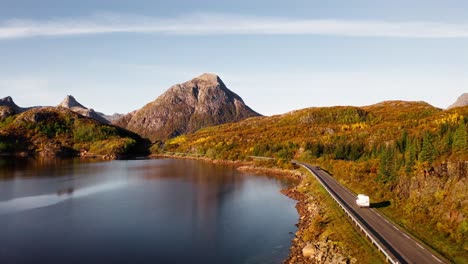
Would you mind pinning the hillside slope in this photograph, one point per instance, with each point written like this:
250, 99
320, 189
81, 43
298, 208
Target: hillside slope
57, 131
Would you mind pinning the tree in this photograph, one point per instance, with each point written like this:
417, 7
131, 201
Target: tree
428, 152
460, 138
403, 141
410, 157
387, 168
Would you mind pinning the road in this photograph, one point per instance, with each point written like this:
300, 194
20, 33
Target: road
399, 246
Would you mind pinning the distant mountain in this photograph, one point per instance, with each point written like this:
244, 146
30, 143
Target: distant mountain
461, 101
8, 102
185, 108
111, 118
70, 103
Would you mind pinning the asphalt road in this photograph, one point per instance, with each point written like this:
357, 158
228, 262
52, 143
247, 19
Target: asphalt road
395, 241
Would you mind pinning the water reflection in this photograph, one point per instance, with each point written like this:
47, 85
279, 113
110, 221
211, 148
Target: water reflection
33, 202
149, 211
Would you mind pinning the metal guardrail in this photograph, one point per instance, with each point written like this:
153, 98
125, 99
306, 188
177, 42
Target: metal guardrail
374, 241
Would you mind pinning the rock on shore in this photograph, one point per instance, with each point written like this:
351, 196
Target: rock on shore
322, 250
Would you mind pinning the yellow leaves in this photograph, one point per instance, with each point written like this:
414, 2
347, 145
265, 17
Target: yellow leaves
201, 140
440, 195
452, 118
355, 126
177, 140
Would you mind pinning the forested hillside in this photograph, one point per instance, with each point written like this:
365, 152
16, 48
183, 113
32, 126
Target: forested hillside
57, 131
410, 157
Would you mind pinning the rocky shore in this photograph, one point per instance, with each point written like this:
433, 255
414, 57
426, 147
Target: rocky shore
308, 245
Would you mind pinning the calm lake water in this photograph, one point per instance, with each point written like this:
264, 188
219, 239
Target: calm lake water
141, 211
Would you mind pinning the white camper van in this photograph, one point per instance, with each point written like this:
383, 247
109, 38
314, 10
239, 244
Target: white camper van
363, 200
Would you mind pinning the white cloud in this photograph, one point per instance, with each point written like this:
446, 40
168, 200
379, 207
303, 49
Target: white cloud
218, 24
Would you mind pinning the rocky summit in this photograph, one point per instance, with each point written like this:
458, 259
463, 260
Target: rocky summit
8, 102
70, 103
187, 107
461, 101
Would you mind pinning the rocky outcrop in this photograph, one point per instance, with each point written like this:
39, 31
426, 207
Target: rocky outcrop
70, 103
461, 101
318, 250
6, 111
185, 108
123, 120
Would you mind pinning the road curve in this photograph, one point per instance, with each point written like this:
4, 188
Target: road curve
398, 246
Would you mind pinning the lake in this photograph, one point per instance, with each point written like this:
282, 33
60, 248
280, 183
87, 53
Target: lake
141, 211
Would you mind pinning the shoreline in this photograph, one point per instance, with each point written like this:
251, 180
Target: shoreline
309, 209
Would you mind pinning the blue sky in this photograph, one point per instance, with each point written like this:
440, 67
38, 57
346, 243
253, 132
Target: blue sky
116, 56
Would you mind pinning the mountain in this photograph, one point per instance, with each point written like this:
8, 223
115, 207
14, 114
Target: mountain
70, 103
8, 102
58, 131
110, 118
461, 101
187, 107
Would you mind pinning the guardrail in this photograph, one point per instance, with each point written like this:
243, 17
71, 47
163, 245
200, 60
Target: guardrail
374, 241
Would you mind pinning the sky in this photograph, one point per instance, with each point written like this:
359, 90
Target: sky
116, 56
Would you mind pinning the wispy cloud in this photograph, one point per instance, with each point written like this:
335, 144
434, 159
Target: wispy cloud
228, 24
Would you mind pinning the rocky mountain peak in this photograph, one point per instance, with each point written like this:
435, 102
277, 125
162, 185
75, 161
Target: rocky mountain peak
184, 108
8, 102
7, 99
209, 77
461, 101
70, 102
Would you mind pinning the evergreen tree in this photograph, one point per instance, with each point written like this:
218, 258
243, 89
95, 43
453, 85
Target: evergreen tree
410, 157
402, 142
387, 168
460, 138
428, 152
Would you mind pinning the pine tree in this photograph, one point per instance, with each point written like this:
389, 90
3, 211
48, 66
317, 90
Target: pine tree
403, 141
460, 138
387, 168
410, 157
428, 152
